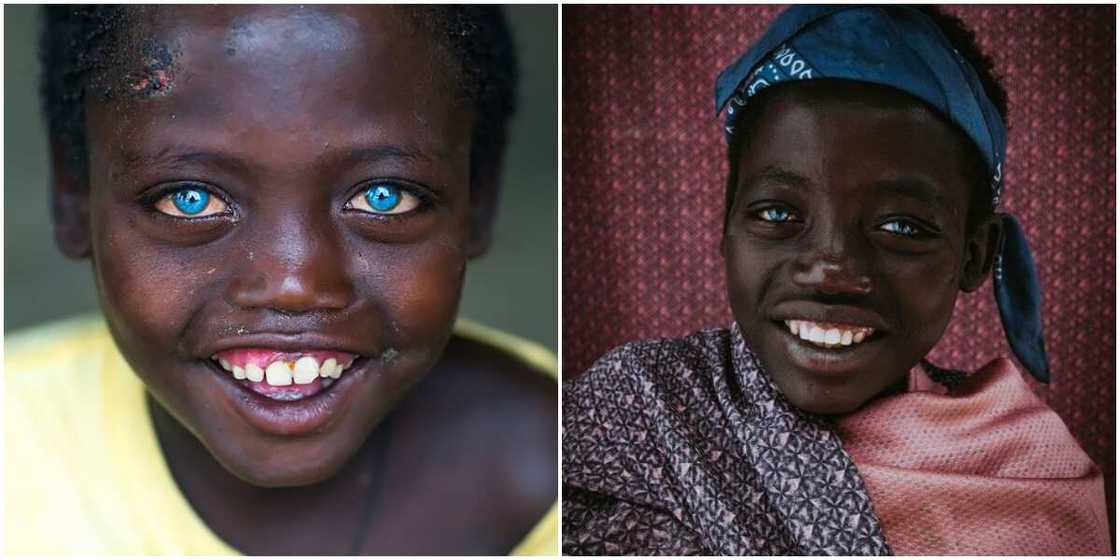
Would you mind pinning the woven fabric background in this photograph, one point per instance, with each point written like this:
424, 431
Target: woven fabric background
644, 169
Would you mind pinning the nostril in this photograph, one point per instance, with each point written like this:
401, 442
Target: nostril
842, 282
293, 292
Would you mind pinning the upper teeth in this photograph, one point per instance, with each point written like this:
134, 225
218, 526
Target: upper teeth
278, 373
828, 335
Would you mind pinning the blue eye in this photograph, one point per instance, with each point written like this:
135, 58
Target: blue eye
190, 202
384, 198
776, 215
900, 227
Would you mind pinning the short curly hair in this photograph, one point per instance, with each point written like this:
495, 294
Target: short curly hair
78, 43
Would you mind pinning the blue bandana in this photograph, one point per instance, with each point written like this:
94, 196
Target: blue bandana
901, 48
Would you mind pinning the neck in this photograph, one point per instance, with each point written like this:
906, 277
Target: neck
252, 518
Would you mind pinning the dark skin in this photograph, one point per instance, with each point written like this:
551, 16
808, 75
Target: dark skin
469, 479
286, 116
850, 208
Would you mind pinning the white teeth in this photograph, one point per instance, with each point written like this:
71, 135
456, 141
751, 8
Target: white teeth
254, 373
306, 370
833, 337
278, 373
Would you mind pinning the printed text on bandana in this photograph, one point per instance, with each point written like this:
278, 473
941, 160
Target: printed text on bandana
784, 64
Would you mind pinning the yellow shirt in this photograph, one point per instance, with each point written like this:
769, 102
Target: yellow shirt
83, 469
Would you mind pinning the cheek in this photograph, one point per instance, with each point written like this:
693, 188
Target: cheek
419, 291
750, 268
146, 290
925, 292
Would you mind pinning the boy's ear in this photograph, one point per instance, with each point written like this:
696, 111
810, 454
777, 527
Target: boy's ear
484, 206
980, 252
69, 205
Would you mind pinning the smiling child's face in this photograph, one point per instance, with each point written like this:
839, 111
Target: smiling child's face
848, 228
275, 186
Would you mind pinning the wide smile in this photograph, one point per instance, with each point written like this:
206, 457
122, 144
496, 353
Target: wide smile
284, 376
828, 335
829, 348
290, 393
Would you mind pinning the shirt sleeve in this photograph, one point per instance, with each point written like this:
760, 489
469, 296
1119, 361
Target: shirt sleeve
614, 502
595, 524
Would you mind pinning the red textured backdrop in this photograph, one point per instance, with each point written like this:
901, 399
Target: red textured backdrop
644, 174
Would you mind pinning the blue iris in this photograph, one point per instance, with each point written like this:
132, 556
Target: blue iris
383, 198
190, 201
901, 228
775, 214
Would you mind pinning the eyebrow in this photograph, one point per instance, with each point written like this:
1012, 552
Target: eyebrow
778, 175
173, 157
912, 187
381, 153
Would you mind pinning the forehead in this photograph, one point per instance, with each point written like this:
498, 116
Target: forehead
158, 34
850, 131
316, 72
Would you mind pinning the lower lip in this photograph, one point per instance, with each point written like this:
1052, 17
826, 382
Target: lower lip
295, 418
827, 361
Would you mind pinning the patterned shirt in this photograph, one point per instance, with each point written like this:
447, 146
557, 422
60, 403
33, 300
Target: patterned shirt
686, 447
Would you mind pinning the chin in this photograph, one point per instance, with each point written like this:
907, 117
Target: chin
272, 476
813, 399
826, 407
280, 466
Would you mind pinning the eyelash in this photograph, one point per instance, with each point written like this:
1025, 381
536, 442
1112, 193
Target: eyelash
918, 231
761, 213
901, 224
153, 200
421, 200
915, 231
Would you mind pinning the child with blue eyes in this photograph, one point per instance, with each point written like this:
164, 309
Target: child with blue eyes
865, 146
380, 198
278, 204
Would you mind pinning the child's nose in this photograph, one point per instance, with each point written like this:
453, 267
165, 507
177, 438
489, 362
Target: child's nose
293, 268
834, 267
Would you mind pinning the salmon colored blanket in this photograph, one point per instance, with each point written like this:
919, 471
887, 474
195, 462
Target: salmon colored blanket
985, 469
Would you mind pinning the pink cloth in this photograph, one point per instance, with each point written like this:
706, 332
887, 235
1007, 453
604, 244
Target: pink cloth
984, 469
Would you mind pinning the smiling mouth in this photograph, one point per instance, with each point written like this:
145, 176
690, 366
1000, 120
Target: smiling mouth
284, 376
829, 335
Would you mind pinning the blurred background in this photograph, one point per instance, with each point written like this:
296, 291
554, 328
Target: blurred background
513, 287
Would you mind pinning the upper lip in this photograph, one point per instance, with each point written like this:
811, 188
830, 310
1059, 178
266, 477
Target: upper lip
286, 342
837, 314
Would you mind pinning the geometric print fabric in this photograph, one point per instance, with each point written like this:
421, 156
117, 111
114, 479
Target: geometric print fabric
686, 447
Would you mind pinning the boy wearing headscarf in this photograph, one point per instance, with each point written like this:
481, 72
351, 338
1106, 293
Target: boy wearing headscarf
866, 166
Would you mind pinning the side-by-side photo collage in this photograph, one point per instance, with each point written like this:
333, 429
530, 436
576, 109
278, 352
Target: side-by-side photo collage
559, 279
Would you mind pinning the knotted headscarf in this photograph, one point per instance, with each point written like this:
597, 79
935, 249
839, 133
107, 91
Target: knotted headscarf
902, 48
